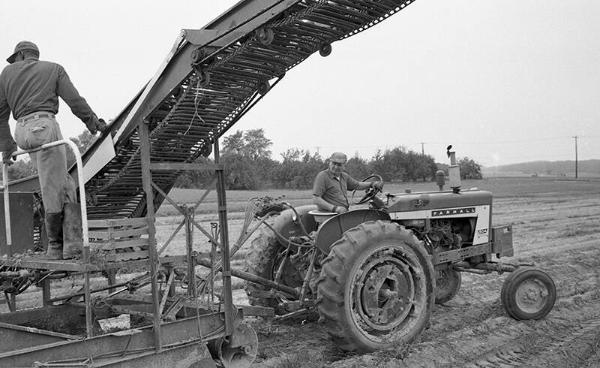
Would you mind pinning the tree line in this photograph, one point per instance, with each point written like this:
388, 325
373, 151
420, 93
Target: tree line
246, 156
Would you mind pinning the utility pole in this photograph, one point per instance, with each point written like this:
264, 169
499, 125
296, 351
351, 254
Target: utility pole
576, 173
423, 148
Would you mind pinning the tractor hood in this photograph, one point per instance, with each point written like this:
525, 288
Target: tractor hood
426, 201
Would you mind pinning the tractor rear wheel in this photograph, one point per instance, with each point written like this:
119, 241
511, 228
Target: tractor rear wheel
268, 257
447, 284
528, 293
376, 288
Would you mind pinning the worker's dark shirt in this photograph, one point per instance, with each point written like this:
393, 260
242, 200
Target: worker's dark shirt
32, 85
334, 189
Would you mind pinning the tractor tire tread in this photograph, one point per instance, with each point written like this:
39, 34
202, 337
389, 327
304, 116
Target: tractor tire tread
331, 284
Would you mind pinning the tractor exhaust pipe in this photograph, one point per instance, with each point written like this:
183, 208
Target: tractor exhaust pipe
453, 170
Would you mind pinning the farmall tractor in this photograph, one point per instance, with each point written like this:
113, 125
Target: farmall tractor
374, 274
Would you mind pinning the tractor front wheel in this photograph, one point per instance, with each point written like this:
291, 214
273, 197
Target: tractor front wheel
528, 293
376, 288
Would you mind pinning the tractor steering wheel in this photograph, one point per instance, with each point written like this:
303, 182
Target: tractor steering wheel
370, 193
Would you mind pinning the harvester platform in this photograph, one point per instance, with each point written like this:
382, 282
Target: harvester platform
37, 262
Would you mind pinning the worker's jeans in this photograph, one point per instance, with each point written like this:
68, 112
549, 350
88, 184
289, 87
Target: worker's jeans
57, 185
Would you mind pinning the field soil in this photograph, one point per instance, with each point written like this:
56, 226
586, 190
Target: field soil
556, 227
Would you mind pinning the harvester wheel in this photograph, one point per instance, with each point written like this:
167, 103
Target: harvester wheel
265, 36
238, 350
528, 293
376, 288
447, 285
268, 256
325, 49
263, 87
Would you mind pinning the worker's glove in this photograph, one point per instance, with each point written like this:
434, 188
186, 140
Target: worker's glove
377, 185
7, 157
94, 125
101, 125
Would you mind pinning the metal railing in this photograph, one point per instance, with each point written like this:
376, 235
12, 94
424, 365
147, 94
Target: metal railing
84, 221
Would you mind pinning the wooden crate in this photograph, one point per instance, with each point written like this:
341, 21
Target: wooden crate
115, 240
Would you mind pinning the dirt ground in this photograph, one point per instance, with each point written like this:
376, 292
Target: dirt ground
557, 227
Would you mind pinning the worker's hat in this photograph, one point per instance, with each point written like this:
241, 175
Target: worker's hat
23, 45
338, 157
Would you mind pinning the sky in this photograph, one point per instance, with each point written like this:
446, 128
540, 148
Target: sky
502, 81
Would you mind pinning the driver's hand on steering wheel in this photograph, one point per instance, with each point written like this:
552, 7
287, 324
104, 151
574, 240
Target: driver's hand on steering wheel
377, 185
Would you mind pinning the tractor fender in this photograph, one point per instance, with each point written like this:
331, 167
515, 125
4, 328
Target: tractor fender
333, 228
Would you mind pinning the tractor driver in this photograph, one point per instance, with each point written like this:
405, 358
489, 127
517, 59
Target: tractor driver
331, 186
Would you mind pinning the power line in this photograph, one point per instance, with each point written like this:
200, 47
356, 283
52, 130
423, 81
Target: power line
487, 142
450, 141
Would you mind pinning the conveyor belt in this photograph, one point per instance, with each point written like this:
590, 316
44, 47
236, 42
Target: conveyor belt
187, 109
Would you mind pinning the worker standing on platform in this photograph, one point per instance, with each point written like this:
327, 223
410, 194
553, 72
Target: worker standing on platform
30, 89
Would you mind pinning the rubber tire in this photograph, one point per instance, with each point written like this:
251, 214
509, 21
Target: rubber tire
511, 285
341, 265
265, 248
453, 280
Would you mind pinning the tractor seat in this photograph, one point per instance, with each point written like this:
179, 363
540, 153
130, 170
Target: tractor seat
321, 216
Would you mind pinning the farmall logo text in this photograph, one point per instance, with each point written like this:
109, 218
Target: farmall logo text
454, 211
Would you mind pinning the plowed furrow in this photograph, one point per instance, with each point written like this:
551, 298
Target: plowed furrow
569, 336
572, 350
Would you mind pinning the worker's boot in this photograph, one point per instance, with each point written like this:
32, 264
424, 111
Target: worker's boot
54, 233
72, 231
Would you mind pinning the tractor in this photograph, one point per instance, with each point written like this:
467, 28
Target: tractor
374, 274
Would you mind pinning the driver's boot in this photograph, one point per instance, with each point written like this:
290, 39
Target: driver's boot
54, 232
72, 231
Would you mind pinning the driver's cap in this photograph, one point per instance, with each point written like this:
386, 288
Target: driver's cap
338, 157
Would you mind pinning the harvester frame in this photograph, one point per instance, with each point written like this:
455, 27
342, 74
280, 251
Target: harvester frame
183, 328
